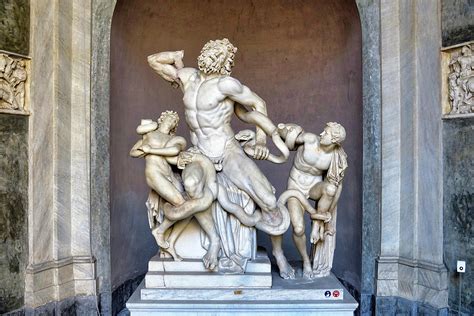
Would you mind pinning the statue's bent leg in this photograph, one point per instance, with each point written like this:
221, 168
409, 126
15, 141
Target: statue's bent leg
236, 210
324, 193
166, 190
247, 176
206, 222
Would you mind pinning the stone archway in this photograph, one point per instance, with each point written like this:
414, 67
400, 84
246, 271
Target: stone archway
69, 172
102, 15
142, 70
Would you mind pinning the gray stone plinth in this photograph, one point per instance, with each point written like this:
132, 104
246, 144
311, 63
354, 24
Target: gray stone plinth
288, 297
191, 273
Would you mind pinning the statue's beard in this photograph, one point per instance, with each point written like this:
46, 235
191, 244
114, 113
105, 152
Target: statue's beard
218, 66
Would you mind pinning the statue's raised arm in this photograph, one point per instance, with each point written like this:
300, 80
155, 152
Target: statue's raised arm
169, 66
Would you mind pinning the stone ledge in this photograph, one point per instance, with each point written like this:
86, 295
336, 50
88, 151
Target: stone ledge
412, 279
285, 297
59, 279
206, 280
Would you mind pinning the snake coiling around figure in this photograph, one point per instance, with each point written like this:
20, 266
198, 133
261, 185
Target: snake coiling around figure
273, 223
262, 221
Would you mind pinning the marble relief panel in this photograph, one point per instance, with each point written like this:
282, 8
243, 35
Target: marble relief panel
458, 80
13, 78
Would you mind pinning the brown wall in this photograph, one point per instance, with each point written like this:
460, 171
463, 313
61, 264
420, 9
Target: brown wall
302, 57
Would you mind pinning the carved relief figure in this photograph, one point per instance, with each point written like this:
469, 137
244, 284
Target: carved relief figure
317, 172
461, 81
12, 83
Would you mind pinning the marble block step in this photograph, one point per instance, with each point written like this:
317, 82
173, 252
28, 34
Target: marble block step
207, 279
324, 296
259, 265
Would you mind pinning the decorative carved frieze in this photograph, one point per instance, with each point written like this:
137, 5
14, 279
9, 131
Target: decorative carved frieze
461, 81
13, 75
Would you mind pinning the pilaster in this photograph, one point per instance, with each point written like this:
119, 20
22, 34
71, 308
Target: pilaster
61, 264
411, 265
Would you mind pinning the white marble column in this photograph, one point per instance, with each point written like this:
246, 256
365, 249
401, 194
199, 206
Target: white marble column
411, 261
60, 261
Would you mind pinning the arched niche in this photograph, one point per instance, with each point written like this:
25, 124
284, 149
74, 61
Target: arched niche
303, 58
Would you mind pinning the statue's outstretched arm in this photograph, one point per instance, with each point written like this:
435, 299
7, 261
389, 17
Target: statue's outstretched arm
173, 147
294, 135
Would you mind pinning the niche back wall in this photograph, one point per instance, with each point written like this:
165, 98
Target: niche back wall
302, 57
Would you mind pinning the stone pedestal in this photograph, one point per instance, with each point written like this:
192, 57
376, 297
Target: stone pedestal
324, 296
191, 273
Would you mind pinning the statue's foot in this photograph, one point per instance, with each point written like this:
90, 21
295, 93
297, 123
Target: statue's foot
164, 254
307, 271
172, 251
286, 271
210, 258
160, 239
321, 273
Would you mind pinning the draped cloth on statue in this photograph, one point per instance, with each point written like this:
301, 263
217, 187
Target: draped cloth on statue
156, 214
337, 167
238, 242
323, 250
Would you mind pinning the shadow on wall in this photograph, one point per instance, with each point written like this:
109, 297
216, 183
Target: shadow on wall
302, 58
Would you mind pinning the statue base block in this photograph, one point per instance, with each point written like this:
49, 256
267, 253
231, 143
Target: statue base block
191, 273
323, 296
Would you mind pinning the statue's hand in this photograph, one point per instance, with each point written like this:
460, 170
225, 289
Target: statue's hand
184, 158
153, 200
315, 232
261, 152
146, 149
178, 59
326, 217
289, 132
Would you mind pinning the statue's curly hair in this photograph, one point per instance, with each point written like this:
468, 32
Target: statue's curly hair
220, 66
170, 114
338, 132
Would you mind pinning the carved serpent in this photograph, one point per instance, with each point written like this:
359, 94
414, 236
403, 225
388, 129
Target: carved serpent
247, 140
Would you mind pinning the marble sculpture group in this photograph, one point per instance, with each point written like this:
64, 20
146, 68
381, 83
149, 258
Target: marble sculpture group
216, 180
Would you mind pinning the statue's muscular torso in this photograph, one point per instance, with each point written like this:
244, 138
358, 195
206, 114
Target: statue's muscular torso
208, 112
309, 164
156, 163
